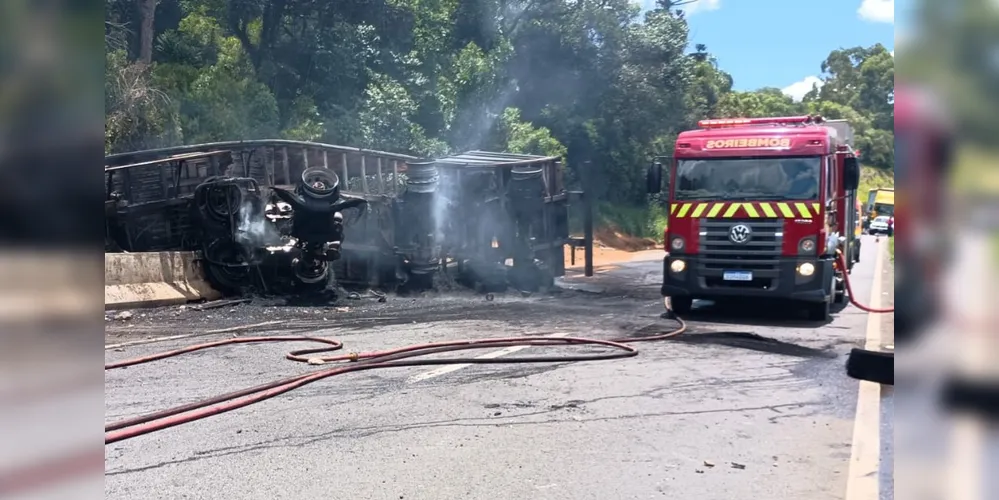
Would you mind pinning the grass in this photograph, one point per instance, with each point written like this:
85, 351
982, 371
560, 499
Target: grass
641, 222
975, 176
891, 248
873, 178
975, 172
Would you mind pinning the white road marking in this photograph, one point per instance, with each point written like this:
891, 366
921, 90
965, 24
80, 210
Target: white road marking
863, 479
444, 370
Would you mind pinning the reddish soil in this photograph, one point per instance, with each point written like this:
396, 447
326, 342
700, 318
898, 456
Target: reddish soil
609, 247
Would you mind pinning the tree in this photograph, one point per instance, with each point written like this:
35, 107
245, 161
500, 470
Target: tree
590, 80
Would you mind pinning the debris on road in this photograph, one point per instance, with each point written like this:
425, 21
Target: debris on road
123, 316
218, 303
736, 465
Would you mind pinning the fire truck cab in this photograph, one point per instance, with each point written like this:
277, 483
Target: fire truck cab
758, 208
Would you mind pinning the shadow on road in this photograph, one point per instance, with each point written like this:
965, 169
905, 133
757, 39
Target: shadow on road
748, 312
754, 342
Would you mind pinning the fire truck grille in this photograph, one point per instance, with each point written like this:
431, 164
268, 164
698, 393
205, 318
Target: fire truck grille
758, 255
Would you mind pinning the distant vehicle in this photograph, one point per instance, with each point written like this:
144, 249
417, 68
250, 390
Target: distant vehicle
880, 225
880, 201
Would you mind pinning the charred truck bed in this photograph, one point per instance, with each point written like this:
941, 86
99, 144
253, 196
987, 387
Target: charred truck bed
286, 216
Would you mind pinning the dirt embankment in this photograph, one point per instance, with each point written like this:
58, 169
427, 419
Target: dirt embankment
610, 246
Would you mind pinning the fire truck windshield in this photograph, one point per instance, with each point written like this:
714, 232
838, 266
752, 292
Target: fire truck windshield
772, 178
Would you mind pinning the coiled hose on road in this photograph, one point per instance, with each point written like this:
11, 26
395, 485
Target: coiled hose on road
347, 363
352, 362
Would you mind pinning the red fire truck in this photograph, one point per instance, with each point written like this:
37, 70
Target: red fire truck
758, 208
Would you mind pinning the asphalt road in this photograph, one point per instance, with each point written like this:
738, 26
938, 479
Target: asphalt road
753, 402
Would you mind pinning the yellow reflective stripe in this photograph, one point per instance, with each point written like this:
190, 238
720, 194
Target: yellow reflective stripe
768, 210
816, 208
683, 210
785, 209
672, 209
699, 210
751, 210
803, 209
732, 209
717, 207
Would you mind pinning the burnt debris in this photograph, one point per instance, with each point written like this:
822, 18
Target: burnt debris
285, 217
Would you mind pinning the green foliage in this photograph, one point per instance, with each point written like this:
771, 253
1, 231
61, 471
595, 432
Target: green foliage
954, 51
588, 81
641, 221
520, 137
873, 178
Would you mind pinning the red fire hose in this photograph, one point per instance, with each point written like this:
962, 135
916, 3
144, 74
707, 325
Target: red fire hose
849, 289
346, 363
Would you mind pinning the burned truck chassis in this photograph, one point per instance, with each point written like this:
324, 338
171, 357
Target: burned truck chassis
482, 220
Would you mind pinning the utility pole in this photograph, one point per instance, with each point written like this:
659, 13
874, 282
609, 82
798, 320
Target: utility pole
587, 219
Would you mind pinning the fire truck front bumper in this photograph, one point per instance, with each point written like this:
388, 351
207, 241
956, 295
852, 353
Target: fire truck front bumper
801, 279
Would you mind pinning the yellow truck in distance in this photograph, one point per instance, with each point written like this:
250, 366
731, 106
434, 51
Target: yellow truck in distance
880, 201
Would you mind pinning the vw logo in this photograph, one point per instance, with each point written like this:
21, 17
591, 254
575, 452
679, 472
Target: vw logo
740, 233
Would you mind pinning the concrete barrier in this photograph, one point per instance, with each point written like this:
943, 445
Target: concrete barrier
151, 279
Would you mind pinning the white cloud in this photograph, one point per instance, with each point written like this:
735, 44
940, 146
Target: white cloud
877, 11
797, 90
701, 6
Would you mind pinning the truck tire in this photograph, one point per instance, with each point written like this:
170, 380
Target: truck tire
681, 305
819, 311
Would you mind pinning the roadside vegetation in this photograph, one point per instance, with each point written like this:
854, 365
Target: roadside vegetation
584, 80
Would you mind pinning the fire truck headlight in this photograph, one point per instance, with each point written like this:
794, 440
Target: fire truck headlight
807, 246
676, 243
806, 269
677, 266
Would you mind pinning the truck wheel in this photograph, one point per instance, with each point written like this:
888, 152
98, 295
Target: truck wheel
819, 311
681, 305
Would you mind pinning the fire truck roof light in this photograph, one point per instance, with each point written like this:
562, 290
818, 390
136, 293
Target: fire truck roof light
742, 122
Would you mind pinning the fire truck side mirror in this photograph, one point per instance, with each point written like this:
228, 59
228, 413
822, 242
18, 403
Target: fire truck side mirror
654, 178
851, 173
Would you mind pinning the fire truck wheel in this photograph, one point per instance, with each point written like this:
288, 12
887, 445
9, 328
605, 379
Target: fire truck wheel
819, 311
681, 305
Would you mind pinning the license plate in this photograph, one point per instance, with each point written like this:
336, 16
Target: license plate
737, 276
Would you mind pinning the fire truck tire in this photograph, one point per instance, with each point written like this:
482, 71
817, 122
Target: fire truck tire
681, 305
840, 297
818, 311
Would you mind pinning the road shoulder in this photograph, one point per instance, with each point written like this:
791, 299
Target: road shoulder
863, 480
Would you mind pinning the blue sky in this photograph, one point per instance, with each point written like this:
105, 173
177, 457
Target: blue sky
782, 43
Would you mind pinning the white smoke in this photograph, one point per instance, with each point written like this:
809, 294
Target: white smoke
254, 229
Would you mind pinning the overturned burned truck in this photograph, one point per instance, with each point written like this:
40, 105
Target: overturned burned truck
286, 216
